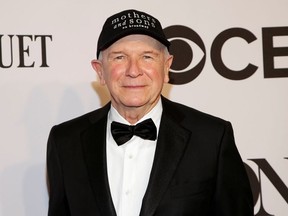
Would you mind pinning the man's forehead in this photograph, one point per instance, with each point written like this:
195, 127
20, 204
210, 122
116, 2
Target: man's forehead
143, 39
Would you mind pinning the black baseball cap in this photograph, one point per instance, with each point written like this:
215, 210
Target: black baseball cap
130, 22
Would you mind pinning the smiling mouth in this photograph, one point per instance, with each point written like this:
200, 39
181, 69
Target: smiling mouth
134, 86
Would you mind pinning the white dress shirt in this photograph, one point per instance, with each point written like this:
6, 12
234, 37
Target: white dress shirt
129, 165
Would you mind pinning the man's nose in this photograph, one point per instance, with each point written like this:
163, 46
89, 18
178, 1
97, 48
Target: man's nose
133, 69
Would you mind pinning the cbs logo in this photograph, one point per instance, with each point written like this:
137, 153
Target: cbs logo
190, 53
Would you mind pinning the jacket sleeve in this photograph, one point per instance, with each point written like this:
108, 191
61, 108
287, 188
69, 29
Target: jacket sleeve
57, 199
233, 194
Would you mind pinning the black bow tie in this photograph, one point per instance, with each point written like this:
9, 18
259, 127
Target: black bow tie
122, 132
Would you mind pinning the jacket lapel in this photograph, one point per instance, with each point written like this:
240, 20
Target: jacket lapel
171, 144
94, 149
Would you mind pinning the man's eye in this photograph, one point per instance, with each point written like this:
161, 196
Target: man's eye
119, 57
147, 57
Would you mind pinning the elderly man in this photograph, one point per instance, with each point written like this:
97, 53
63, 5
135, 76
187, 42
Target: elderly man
142, 154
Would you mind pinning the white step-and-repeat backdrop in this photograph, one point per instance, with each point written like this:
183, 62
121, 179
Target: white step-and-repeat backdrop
231, 60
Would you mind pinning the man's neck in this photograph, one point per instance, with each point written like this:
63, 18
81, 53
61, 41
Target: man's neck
134, 114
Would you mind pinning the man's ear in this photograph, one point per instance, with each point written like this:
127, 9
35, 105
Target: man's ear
98, 67
168, 64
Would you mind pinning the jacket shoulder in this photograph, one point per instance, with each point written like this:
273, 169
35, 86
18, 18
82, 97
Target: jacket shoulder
189, 116
82, 122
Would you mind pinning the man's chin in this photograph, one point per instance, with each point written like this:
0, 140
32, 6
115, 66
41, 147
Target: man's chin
134, 104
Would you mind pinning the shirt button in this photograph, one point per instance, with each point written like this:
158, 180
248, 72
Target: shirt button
127, 192
130, 156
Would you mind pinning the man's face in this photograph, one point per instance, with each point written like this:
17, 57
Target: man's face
134, 69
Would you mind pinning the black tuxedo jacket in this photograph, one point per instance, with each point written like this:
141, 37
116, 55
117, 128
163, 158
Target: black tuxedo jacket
197, 169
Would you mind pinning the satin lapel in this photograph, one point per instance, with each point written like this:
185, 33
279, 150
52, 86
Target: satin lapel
94, 148
171, 144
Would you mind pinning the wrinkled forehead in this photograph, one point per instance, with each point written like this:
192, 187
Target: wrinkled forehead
144, 40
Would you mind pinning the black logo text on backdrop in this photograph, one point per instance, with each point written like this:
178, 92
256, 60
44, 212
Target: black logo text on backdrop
181, 38
17, 47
